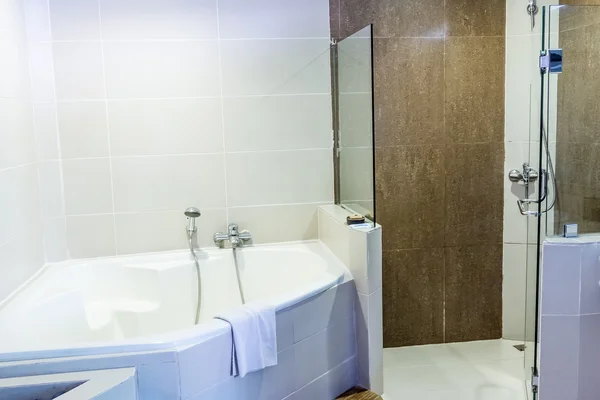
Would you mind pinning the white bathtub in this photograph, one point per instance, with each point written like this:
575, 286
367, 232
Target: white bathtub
148, 302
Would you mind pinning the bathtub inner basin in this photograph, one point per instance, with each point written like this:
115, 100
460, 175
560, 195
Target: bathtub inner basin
139, 299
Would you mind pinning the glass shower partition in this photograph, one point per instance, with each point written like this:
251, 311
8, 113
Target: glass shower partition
569, 134
573, 117
353, 123
541, 201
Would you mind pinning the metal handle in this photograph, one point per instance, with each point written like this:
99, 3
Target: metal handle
232, 229
245, 236
521, 202
527, 176
532, 10
235, 237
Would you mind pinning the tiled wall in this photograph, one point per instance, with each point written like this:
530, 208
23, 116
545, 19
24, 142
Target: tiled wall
21, 242
439, 123
570, 320
160, 105
568, 95
522, 116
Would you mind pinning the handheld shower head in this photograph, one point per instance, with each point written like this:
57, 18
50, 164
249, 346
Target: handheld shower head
192, 213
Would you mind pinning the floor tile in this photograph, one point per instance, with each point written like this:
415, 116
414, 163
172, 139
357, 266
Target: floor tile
485, 370
488, 349
422, 378
411, 356
508, 372
479, 393
465, 376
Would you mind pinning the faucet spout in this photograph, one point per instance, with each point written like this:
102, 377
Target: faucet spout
235, 241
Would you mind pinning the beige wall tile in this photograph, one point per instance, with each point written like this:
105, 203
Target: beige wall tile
269, 224
240, 19
164, 230
160, 19
78, 70
157, 69
87, 186
75, 19
168, 182
279, 177
83, 129
91, 236
167, 126
267, 67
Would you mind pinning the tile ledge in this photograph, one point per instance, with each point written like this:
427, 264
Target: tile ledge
592, 238
339, 214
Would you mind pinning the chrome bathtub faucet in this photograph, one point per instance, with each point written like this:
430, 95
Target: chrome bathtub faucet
235, 237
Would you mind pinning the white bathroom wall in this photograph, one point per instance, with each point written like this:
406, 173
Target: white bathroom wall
47, 144
522, 91
21, 242
161, 105
522, 118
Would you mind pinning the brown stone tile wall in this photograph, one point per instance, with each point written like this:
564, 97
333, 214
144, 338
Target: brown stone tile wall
578, 119
439, 122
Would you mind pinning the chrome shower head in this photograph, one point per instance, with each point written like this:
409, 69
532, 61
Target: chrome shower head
192, 213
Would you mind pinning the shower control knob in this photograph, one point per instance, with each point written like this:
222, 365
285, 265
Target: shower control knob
515, 176
532, 175
527, 176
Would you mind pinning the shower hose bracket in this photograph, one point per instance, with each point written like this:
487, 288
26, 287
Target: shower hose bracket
551, 61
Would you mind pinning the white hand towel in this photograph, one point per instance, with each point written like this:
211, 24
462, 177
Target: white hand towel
254, 337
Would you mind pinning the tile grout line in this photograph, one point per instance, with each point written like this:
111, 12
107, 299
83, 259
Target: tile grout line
312, 203
21, 166
131, 156
220, 53
445, 187
264, 39
192, 40
239, 96
105, 100
58, 141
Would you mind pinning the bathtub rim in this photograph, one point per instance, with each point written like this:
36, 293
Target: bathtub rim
177, 338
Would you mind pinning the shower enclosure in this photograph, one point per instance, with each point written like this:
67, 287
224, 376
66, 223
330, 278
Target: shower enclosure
565, 149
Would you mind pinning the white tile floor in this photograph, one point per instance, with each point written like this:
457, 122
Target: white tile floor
486, 370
